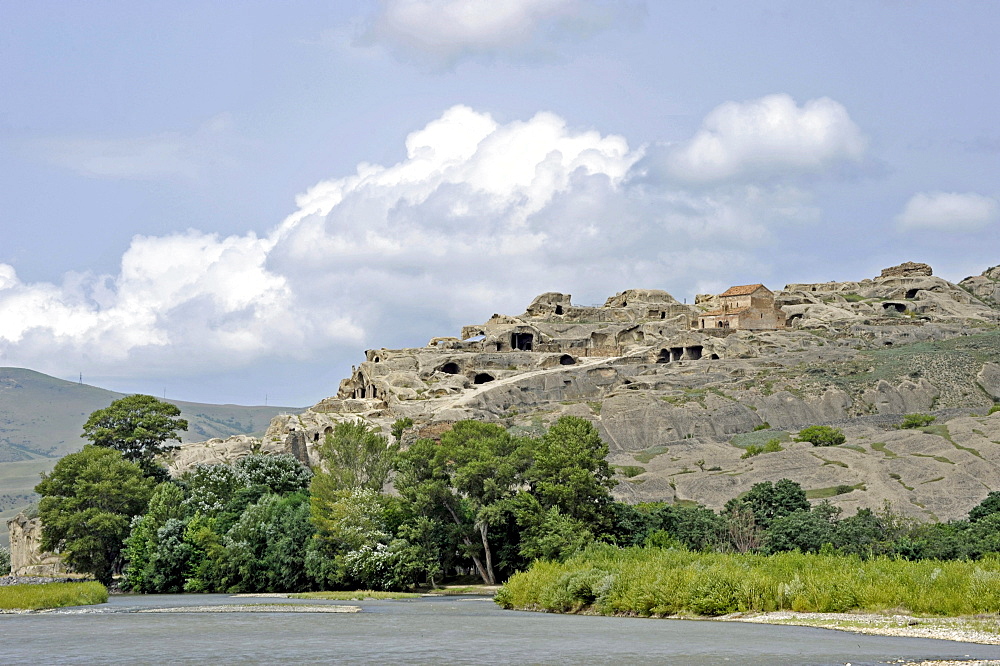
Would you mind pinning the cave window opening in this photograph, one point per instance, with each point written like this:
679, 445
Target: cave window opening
566, 359
912, 293
559, 309
663, 356
898, 307
714, 357
316, 437
522, 341
663, 315
482, 378
676, 353
693, 353
450, 368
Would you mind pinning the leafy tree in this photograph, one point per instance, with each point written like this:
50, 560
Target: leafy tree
145, 571
549, 534
987, 507
400, 426
803, 530
88, 502
266, 547
139, 426
4, 561
353, 456
768, 501
821, 436
570, 472
467, 479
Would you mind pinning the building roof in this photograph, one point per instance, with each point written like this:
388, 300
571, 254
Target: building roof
743, 290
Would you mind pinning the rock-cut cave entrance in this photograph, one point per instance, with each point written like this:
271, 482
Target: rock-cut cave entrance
450, 368
483, 378
522, 341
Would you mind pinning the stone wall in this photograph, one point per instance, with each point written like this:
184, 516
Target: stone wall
26, 555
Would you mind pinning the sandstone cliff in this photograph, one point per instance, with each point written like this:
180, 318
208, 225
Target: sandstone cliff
678, 405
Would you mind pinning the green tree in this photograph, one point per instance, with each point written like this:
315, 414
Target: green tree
467, 479
987, 507
570, 472
821, 436
145, 570
353, 456
804, 530
138, 426
88, 502
768, 501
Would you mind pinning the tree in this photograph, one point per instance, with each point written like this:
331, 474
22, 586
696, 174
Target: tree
768, 501
570, 472
138, 426
467, 479
821, 436
987, 507
353, 456
87, 506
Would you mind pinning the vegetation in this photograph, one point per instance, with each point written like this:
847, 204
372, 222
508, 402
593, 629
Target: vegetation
993, 410
355, 595
4, 561
772, 445
138, 426
87, 505
52, 595
821, 436
916, 421
670, 581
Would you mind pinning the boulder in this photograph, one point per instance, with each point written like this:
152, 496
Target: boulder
907, 269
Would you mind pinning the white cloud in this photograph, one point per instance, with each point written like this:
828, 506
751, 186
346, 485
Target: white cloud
478, 217
949, 211
163, 155
766, 137
442, 32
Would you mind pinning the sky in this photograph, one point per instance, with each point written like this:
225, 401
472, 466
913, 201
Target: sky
230, 201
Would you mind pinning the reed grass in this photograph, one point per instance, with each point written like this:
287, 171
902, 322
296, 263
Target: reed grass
52, 595
653, 581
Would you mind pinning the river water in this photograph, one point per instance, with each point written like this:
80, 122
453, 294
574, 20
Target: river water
430, 630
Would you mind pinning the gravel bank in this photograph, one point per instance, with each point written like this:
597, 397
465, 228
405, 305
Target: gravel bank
981, 629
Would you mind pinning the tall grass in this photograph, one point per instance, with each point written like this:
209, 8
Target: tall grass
52, 595
653, 581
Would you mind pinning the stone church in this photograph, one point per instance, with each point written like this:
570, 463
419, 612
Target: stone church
744, 307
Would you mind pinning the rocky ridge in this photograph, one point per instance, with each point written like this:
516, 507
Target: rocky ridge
678, 406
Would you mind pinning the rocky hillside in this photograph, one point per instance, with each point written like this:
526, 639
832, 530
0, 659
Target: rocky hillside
679, 405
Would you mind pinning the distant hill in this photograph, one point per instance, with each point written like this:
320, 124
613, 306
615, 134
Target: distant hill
42, 417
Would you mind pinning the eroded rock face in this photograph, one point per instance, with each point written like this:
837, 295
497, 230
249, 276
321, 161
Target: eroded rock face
26, 555
907, 269
985, 287
858, 355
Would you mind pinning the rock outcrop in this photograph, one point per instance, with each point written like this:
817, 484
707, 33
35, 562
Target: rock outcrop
677, 404
26, 556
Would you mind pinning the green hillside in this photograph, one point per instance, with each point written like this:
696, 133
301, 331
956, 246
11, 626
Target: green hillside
41, 419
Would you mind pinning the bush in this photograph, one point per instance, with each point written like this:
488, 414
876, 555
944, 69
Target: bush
993, 410
821, 436
4, 561
763, 426
916, 421
772, 446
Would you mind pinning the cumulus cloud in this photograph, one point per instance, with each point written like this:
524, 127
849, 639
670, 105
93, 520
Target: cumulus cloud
442, 32
765, 137
478, 217
949, 211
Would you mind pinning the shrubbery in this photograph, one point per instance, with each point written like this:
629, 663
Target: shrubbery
821, 436
656, 581
916, 421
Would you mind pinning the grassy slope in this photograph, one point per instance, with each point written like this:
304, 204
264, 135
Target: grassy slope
41, 419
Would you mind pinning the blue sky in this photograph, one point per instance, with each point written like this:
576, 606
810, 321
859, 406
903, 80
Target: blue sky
222, 201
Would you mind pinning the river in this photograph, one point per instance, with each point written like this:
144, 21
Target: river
430, 630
